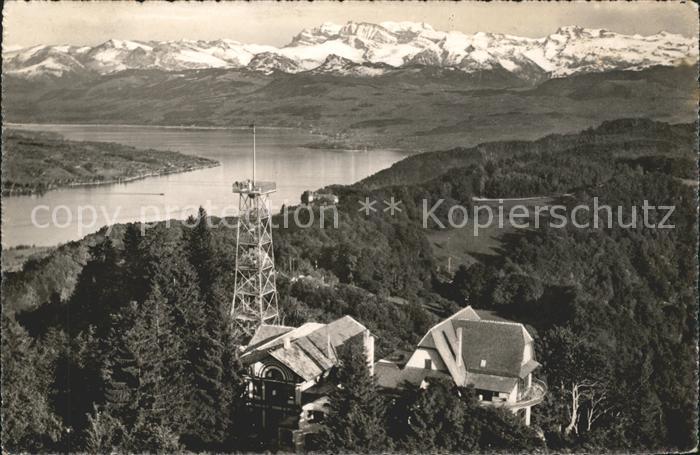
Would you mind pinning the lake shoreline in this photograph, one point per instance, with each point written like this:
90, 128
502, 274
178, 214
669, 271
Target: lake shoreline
132, 125
53, 187
36, 162
282, 157
328, 142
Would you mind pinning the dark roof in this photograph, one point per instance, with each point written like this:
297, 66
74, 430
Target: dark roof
339, 332
266, 332
399, 357
390, 376
298, 360
491, 382
312, 347
254, 352
528, 368
446, 327
498, 346
443, 338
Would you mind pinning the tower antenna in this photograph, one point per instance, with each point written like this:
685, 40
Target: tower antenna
253, 153
255, 289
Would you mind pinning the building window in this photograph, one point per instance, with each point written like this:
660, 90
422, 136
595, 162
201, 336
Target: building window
483, 363
255, 389
274, 373
485, 395
428, 364
316, 416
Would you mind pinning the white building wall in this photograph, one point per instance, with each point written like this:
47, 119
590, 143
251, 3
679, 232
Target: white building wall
513, 395
527, 353
420, 355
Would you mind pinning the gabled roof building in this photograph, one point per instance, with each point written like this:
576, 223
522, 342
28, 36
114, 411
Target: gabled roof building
288, 369
495, 357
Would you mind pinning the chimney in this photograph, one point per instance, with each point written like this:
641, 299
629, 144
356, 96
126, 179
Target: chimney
459, 346
287, 343
369, 350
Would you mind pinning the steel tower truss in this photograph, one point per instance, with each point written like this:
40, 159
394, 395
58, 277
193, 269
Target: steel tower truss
255, 291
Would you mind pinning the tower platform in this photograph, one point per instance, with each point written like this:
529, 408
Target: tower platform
254, 188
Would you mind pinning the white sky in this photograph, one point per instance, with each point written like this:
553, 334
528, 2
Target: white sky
26, 24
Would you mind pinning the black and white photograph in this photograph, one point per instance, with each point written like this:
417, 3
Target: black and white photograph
349, 227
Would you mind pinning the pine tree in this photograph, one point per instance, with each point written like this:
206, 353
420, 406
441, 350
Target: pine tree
198, 324
162, 397
104, 433
98, 293
143, 375
502, 431
441, 419
166, 264
211, 401
122, 371
78, 383
201, 253
355, 422
134, 271
210, 414
234, 387
151, 437
28, 422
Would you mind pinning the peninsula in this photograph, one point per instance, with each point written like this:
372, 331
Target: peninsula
36, 162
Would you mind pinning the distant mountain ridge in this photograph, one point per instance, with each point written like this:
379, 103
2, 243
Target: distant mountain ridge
412, 108
366, 49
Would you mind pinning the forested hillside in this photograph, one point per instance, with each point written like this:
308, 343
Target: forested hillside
622, 138
613, 310
417, 108
35, 162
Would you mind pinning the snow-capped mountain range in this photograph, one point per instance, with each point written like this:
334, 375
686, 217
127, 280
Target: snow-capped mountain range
365, 49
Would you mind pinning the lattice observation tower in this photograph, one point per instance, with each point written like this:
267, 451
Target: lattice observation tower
255, 290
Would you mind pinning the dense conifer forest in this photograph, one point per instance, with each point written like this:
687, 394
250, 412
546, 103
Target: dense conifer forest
122, 342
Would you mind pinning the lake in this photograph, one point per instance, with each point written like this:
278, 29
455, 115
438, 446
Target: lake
281, 157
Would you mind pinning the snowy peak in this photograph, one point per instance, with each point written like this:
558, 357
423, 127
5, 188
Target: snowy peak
316, 35
363, 31
572, 50
270, 62
372, 34
123, 44
569, 50
337, 65
362, 48
335, 62
44, 61
116, 55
